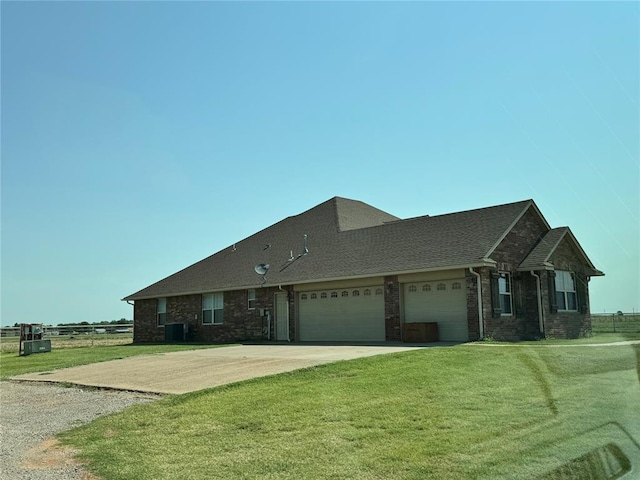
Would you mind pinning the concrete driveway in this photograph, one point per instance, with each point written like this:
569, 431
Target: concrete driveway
188, 371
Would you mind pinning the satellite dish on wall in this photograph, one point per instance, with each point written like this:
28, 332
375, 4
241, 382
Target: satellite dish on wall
261, 268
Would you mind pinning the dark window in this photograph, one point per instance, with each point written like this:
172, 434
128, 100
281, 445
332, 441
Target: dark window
504, 289
566, 291
212, 308
161, 311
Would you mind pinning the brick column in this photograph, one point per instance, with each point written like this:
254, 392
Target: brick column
392, 325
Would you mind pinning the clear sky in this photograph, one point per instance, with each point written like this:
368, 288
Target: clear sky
138, 138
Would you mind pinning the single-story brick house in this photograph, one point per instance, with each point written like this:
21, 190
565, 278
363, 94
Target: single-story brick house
346, 271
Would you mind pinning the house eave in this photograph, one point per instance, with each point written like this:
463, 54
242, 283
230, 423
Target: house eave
549, 267
485, 262
533, 268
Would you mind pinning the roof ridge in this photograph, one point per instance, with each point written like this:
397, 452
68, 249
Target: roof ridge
491, 207
355, 214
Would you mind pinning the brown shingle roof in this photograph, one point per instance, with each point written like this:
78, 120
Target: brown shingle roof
541, 253
346, 238
539, 257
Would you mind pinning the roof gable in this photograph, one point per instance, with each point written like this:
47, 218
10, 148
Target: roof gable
539, 257
528, 205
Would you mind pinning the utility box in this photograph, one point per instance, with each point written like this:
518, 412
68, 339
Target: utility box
421, 332
174, 332
35, 346
31, 339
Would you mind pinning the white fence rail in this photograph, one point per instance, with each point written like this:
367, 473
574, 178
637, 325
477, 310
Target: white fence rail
73, 330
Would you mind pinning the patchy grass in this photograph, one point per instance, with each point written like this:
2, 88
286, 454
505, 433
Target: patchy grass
11, 344
12, 364
446, 413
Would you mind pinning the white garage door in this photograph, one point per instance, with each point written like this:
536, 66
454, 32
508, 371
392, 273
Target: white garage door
444, 302
347, 314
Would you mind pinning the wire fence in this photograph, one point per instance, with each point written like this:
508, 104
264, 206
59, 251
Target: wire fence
70, 330
72, 336
616, 323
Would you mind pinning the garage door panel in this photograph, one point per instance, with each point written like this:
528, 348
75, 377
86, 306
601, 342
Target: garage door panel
443, 302
345, 317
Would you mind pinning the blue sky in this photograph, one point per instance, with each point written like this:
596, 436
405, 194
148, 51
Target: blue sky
138, 138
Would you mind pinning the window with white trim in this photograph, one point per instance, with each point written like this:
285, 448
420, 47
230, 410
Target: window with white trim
334, 294
303, 296
251, 298
314, 296
504, 289
212, 307
161, 311
566, 291
412, 288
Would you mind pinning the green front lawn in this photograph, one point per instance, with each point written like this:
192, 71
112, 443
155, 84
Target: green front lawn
444, 413
598, 338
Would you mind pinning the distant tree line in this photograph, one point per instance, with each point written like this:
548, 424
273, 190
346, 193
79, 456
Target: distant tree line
104, 322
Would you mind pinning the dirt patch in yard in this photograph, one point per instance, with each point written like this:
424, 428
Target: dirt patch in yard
51, 454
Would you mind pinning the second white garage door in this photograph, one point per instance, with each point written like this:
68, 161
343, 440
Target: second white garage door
443, 302
353, 314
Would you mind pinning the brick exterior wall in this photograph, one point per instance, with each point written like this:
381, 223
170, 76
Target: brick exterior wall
293, 323
145, 323
392, 324
524, 323
473, 323
568, 324
519, 242
239, 323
